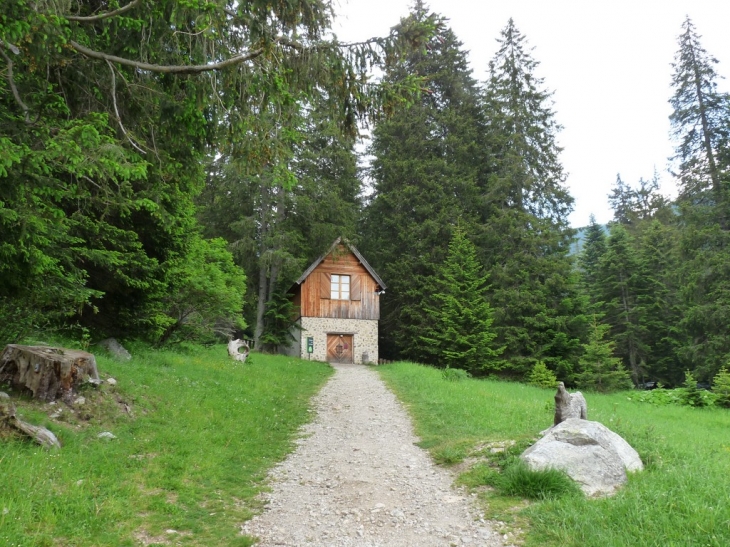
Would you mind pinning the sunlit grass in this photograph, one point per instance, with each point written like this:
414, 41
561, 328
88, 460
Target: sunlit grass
681, 499
185, 466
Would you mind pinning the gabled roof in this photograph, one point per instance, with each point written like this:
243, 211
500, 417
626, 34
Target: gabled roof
341, 241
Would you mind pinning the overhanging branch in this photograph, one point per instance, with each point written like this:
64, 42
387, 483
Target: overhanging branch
166, 69
100, 16
14, 89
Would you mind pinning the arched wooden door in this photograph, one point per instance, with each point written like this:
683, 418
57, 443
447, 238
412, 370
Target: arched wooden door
339, 348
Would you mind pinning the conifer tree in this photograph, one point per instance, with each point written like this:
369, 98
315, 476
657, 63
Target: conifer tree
622, 285
460, 333
526, 238
701, 128
594, 247
424, 172
700, 120
601, 370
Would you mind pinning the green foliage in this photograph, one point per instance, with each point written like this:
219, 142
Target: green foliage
461, 335
520, 481
721, 387
454, 374
200, 434
690, 394
279, 321
425, 167
523, 208
541, 376
206, 293
601, 371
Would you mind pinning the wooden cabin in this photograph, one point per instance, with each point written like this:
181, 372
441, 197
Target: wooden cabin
338, 298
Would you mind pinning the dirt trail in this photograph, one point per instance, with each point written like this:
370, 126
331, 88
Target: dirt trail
357, 479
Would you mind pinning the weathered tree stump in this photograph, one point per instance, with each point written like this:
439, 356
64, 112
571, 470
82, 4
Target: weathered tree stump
41, 435
48, 373
234, 347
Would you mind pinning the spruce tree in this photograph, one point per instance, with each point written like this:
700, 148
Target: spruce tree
594, 247
525, 238
622, 286
601, 370
424, 172
701, 128
700, 120
460, 333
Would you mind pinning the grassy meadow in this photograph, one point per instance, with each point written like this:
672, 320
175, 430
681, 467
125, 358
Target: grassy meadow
681, 499
195, 436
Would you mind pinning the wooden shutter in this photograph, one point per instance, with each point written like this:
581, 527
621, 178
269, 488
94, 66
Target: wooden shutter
355, 287
325, 285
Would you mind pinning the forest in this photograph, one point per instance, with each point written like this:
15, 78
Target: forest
169, 168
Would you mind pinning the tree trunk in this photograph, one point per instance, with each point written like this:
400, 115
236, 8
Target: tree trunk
48, 373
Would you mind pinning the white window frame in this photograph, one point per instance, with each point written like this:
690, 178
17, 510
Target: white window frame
340, 287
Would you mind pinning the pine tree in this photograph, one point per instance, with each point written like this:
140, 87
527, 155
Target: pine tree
461, 335
426, 161
525, 238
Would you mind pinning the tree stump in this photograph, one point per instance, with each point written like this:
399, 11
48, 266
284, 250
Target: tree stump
48, 373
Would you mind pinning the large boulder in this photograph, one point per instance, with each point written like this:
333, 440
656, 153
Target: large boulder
591, 454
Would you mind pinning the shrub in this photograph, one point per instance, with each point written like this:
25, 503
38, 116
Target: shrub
721, 387
454, 374
690, 394
541, 376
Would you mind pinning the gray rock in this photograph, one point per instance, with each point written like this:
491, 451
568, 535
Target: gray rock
568, 405
111, 381
116, 349
4, 396
590, 453
106, 435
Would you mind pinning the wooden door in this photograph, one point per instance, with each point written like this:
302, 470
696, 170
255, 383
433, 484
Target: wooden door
339, 348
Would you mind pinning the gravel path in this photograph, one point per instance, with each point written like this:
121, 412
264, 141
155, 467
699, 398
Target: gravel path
357, 479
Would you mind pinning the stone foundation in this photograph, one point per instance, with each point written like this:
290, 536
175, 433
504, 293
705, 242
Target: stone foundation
365, 339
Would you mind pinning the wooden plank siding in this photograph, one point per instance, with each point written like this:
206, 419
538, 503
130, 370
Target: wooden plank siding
314, 297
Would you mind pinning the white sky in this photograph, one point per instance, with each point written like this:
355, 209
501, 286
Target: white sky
608, 62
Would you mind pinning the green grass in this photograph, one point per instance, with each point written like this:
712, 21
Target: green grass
191, 457
681, 499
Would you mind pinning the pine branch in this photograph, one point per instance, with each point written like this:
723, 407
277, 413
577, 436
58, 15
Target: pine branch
166, 69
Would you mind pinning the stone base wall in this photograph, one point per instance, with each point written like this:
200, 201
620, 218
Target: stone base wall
365, 339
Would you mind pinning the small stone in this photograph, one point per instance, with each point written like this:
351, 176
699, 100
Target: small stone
80, 401
106, 435
4, 395
111, 381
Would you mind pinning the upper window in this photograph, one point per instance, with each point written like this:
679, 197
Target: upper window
340, 287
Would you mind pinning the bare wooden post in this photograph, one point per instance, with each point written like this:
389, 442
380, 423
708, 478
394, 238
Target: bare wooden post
48, 373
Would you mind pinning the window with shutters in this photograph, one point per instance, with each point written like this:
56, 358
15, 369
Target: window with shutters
340, 287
